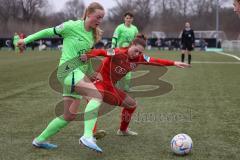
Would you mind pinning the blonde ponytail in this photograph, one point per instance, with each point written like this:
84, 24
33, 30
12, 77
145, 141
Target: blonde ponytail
90, 9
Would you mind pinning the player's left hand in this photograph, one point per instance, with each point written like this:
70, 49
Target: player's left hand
181, 64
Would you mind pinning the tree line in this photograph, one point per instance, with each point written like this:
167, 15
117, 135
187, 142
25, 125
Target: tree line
28, 16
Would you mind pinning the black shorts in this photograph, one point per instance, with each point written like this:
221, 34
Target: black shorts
188, 47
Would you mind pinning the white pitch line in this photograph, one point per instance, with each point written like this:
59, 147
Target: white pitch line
230, 55
210, 62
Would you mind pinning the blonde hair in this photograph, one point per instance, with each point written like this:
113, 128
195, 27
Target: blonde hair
90, 9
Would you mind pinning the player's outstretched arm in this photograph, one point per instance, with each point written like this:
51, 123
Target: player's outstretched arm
49, 32
181, 64
161, 62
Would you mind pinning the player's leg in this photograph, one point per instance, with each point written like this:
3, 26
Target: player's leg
70, 111
183, 53
189, 57
129, 106
86, 88
16, 47
81, 85
71, 105
117, 97
21, 50
90, 119
98, 134
188, 51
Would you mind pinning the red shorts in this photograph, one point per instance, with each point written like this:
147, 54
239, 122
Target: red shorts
110, 93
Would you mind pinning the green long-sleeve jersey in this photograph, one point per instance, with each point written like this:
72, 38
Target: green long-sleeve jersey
124, 35
76, 41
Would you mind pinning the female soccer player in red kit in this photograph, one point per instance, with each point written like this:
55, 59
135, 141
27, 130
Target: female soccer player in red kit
117, 64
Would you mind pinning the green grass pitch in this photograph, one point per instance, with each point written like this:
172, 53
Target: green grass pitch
204, 104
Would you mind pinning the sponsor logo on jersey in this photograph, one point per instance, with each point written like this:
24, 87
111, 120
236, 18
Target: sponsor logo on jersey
120, 70
133, 65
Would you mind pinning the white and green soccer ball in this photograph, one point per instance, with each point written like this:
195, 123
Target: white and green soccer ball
181, 144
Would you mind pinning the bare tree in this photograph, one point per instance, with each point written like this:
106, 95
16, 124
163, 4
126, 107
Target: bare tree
150, 15
183, 7
74, 9
7, 10
31, 8
115, 14
141, 9
143, 15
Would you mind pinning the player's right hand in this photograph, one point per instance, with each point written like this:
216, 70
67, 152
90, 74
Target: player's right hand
181, 64
21, 44
83, 58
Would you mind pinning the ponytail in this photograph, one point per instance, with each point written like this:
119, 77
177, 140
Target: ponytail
97, 32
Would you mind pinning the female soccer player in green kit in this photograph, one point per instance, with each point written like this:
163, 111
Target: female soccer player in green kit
16, 38
78, 38
123, 35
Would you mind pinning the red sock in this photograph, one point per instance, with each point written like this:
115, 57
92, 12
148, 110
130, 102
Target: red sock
126, 118
95, 128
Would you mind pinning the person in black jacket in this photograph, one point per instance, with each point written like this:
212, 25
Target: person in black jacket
188, 40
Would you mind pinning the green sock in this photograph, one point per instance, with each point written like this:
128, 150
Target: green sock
53, 127
127, 81
90, 117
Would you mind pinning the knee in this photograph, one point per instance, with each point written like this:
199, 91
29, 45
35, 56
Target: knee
70, 117
134, 105
131, 104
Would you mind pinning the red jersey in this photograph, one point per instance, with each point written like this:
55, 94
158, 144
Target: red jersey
117, 64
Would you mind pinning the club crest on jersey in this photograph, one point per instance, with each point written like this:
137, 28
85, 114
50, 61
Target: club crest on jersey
133, 65
146, 58
110, 52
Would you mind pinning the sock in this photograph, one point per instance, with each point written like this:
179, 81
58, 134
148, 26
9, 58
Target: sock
126, 118
189, 58
127, 81
95, 128
183, 57
53, 127
90, 117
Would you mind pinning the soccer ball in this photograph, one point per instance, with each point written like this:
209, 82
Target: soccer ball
181, 144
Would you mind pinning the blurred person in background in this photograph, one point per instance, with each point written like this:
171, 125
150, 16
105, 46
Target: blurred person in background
188, 40
123, 35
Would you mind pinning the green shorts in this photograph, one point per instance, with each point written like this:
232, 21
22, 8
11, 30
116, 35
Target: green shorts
69, 80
